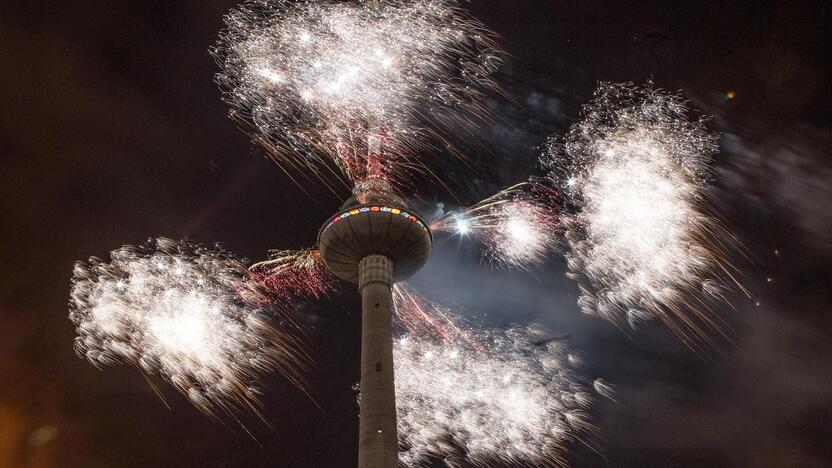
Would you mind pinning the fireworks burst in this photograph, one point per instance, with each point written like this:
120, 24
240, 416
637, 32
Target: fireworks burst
172, 309
643, 242
326, 79
516, 402
517, 226
483, 395
290, 275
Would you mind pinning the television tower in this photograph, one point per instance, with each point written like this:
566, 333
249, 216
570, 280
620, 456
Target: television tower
374, 241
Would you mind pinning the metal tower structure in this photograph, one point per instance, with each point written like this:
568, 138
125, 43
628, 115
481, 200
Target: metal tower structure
374, 241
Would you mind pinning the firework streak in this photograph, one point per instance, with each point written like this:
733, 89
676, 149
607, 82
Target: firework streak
517, 226
480, 396
415, 315
173, 309
329, 80
288, 276
643, 242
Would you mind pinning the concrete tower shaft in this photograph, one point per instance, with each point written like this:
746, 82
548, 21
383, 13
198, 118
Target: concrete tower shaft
377, 435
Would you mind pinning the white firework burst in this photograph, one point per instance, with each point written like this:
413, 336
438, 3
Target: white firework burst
334, 79
506, 399
643, 241
173, 309
517, 226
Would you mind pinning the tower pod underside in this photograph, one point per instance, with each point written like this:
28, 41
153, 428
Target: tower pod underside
375, 229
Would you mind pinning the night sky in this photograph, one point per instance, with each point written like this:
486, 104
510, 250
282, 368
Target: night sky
112, 131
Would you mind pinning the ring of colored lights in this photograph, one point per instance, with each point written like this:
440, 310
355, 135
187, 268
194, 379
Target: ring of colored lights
373, 209
374, 229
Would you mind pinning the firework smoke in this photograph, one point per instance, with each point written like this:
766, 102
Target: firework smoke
516, 402
643, 243
517, 226
333, 80
173, 309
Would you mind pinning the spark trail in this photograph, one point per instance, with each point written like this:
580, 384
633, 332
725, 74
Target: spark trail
415, 315
172, 309
643, 242
289, 275
517, 226
349, 82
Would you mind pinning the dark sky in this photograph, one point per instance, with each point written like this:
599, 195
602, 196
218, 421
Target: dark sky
113, 131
